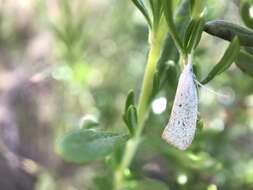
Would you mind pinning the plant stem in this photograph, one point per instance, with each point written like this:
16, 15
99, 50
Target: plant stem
156, 38
147, 85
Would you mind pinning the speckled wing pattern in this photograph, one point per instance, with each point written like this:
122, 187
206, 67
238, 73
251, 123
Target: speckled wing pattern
181, 127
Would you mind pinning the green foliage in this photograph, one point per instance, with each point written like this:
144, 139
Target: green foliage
130, 114
69, 34
193, 34
228, 58
129, 100
131, 118
139, 4
156, 7
184, 20
245, 6
169, 15
197, 8
153, 18
97, 51
168, 73
228, 31
245, 62
81, 146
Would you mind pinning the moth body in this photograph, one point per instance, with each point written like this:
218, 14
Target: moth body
181, 127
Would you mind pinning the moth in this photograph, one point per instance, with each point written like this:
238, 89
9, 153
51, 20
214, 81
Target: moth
181, 127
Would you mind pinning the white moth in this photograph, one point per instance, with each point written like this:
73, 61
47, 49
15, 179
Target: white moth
181, 127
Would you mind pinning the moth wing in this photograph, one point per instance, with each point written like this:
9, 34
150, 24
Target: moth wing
181, 127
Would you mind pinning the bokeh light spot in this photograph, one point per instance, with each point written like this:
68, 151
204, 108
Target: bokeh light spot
159, 105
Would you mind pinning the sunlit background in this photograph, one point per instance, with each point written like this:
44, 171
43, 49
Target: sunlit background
62, 62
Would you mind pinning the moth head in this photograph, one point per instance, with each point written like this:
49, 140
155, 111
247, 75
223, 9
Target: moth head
188, 67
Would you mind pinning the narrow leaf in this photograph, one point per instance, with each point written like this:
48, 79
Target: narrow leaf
197, 7
193, 34
228, 31
132, 118
171, 25
83, 145
225, 62
129, 100
245, 63
156, 7
139, 4
245, 13
189, 32
169, 51
152, 6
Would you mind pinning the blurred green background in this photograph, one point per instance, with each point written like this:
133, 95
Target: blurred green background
63, 61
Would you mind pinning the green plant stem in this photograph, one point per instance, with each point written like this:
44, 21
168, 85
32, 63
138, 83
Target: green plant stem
133, 143
147, 84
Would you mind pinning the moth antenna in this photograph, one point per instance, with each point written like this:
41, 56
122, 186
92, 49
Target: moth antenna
210, 90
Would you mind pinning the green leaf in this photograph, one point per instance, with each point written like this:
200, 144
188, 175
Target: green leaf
245, 63
129, 100
193, 34
83, 145
132, 118
189, 32
171, 25
129, 116
156, 7
245, 13
228, 31
197, 7
169, 50
139, 4
225, 62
